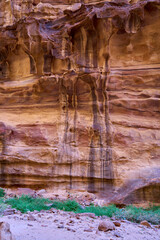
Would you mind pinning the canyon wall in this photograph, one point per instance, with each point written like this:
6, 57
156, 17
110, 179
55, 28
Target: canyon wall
80, 97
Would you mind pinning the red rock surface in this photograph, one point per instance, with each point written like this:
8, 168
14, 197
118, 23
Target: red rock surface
80, 97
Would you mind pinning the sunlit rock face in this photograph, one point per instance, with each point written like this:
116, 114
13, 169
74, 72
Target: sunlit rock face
80, 97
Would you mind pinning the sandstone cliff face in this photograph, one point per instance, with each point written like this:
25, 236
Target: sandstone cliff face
80, 97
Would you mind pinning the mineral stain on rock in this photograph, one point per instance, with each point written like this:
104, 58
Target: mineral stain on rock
80, 96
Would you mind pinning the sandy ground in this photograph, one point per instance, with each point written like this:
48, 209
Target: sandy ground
59, 225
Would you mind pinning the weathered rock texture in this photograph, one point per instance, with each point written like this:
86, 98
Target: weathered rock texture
80, 96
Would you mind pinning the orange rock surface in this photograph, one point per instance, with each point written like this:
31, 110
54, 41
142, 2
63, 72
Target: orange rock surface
80, 97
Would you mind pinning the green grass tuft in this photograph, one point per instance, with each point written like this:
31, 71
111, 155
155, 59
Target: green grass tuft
100, 211
2, 192
67, 205
27, 203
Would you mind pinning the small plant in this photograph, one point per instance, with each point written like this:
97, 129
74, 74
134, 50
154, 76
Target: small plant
100, 211
27, 203
2, 192
135, 214
67, 205
3, 206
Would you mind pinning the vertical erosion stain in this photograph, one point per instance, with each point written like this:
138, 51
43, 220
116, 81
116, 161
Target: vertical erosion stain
64, 151
73, 135
2, 152
91, 184
69, 138
101, 141
92, 154
108, 167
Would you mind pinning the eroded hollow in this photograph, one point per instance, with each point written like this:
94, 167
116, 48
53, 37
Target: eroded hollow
149, 193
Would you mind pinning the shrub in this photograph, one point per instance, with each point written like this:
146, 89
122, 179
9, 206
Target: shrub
2, 192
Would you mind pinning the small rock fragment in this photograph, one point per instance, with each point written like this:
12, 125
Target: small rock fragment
91, 215
124, 221
106, 226
70, 229
31, 217
30, 225
117, 234
117, 224
88, 230
40, 192
77, 216
60, 226
9, 211
52, 210
35, 211
71, 221
157, 226
145, 223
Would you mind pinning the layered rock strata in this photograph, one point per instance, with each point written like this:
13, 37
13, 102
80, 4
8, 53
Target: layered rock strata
80, 97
